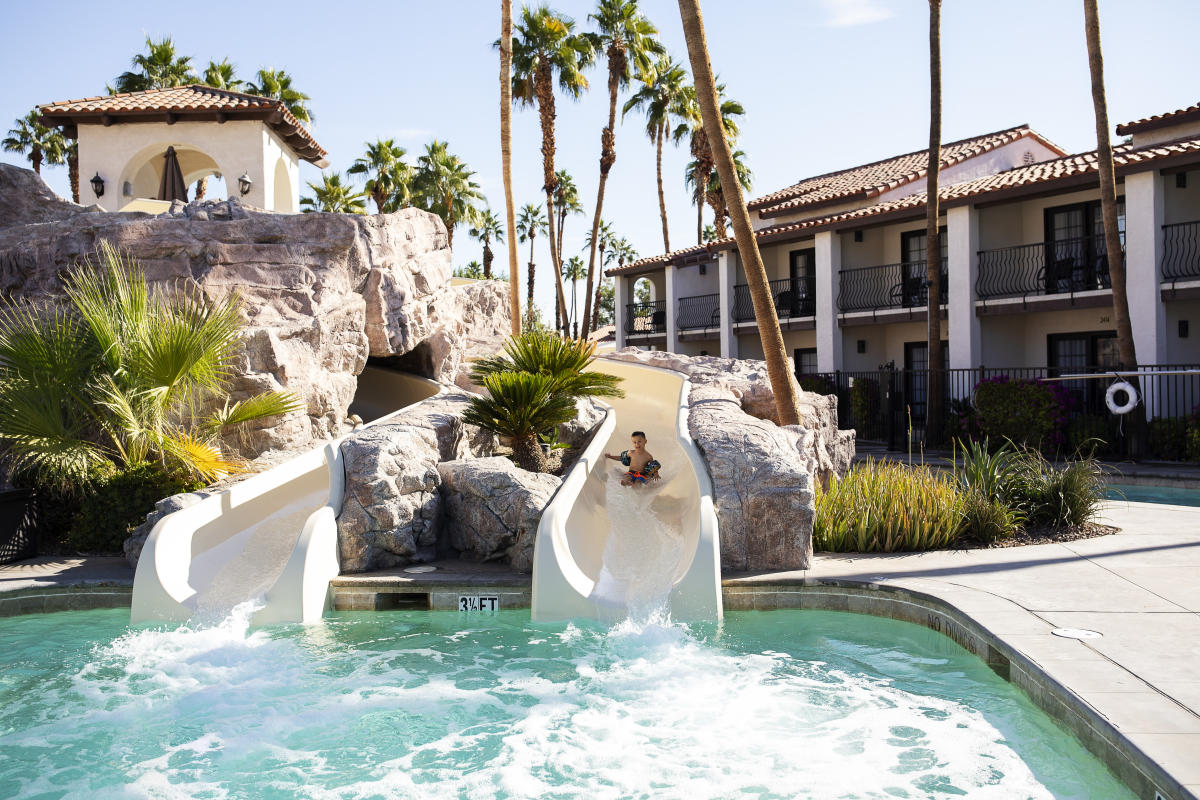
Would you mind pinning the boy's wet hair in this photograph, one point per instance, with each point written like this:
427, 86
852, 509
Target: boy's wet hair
638, 433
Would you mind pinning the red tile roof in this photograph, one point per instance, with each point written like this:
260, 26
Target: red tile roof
1160, 120
871, 180
183, 102
1040, 176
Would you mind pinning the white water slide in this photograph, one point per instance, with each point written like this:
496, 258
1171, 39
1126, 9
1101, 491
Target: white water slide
271, 536
601, 546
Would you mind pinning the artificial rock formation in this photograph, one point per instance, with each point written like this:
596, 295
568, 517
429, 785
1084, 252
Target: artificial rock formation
762, 474
321, 292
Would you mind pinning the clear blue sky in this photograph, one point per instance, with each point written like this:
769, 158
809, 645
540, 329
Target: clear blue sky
826, 84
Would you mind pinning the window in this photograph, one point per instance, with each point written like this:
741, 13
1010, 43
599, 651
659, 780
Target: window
912, 256
1075, 246
916, 362
798, 299
806, 360
1081, 353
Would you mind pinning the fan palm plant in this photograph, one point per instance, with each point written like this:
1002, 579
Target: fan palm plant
520, 406
531, 220
715, 195
334, 196
572, 270
604, 238
277, 85
223, 75
443, 186
389, 179
487, 229
703, 158
123, 376
547, 50
160, 67
662, 95
473, 270
566, 203
564, 361
35, 141
628, 40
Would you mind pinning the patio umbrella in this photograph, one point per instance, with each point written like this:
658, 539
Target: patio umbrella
172, 186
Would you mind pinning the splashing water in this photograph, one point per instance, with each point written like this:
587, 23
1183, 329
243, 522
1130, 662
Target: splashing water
441, 705
641, 556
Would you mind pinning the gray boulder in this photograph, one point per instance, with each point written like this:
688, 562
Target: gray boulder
493, 508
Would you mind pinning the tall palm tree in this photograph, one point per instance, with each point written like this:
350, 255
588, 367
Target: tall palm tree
547, 49
601, 241
473, 269
37, 142
621, 251
715, 195
442, 185
510, 217
933, 247
71, 154
160, 67
572, 270
783, 385
566, 203
692, 127
627, 39
277, 85
660, 99
334, 196
389, 178
486, 229
1108, 198
223, 75
531, 221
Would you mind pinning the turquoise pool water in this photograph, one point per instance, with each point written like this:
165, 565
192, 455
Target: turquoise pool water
1154, 494
412, 704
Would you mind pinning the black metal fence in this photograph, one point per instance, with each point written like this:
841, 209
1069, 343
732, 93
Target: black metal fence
793, 297
888, 286
646, 318
700, 311
890, 406
1181, 251
1058, 267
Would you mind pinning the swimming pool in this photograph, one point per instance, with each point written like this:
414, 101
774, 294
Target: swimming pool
1153, 494
772, 704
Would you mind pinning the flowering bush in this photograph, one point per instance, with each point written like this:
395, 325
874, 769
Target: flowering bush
1028, 412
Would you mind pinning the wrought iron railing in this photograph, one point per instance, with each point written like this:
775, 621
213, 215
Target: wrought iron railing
1181, 251
646, 318
700, 311
794, 297
1058, 267
887, 286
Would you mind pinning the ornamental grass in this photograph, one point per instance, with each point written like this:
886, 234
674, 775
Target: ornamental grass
885, 507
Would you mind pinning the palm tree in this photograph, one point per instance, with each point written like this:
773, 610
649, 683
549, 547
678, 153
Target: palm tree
514, 294
621, 251
782, 383
35, 141
158, 68
487, 228
933, 248
566, 361
334, 196
566, 202
520, 406
71, 153
701, 149
1108, 201
532, 220
277, 85
604, 237
709, 234
572, 270
389, 178
473, 270
627, 38
223, 75
546, 48
660, 99
442, 185
715, 195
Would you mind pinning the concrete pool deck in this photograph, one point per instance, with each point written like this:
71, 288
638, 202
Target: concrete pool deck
1132, 695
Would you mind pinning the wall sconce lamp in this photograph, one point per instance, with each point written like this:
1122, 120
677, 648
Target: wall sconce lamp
244, 183
98, 185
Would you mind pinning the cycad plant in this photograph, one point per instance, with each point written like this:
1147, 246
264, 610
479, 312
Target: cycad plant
521, 405
565, 361
122, 376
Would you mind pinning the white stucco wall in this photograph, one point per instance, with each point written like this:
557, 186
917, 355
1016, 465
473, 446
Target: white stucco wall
1182, 351
1019, 340
1181, 205
122, 152
884, 343
1186, 129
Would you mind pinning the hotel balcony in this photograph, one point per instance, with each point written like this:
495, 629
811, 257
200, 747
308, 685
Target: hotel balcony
1181, 252
1063, 267
646, 323
885, 288
699, 317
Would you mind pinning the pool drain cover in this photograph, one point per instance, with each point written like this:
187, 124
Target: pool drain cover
1076, 633
420, 569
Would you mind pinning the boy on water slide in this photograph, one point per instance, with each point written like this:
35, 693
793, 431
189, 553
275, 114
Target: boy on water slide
642, 466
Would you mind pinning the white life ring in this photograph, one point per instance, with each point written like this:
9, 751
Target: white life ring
1131, 397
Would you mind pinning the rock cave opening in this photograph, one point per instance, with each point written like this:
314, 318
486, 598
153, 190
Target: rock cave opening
386, 383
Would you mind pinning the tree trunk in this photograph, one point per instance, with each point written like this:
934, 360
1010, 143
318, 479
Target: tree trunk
662, 200
201, 188
933, 247
545, 94
1108, 211
73, 173
380, 199
595, 310
783, 384
35, 158
529, 298
608, 156
527, 453
487, 260
514, 271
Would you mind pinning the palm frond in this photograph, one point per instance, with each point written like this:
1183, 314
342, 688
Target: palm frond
200, 457
270, 404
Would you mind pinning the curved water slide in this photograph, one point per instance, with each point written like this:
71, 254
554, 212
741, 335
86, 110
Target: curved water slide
574, 537
272, 536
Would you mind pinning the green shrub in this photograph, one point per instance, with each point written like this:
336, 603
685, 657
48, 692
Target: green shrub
1169, 438
1022, 411
864, 401
883, 507
115, 504
991, 474
818, 384
987, 520
1059, 495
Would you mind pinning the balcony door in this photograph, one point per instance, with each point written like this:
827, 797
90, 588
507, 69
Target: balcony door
1083, 353
799, 298
1075, 247
916, 364
912, 259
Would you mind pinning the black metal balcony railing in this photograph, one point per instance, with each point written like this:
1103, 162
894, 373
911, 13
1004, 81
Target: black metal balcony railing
794, 297
646, 318
701, 311
888, 286
1181, 251
1059, 267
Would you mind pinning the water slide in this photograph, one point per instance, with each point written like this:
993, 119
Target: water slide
596, 537
271, 536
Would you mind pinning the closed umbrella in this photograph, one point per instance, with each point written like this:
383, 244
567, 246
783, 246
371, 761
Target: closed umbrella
172, 186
